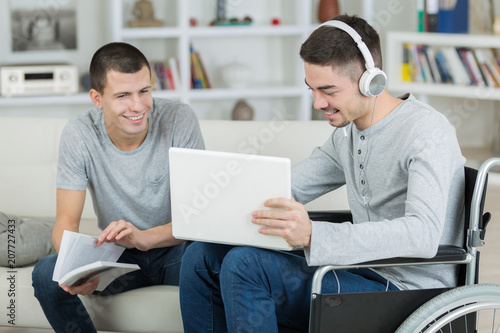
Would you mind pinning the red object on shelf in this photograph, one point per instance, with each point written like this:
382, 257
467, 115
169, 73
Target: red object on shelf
193, 22
275, 21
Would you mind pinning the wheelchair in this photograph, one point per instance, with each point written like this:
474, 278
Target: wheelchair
470, 307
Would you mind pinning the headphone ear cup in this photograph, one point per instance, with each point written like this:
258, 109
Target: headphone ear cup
372, 82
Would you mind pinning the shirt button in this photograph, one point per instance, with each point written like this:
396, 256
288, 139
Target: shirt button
362, 182
361, 166
359, 152
362, 137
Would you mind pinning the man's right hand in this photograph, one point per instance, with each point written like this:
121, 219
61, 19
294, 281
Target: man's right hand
84, 289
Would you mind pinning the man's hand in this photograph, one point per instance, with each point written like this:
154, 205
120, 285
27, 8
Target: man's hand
84, 289
125, 234
288, 219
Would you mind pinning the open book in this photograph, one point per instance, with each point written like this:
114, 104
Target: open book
80, 260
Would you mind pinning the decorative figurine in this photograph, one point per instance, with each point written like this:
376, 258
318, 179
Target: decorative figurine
144, 14
242, 111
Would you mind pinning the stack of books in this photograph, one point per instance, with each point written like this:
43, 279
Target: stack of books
446, 16
165, 75
199, 77
447, 64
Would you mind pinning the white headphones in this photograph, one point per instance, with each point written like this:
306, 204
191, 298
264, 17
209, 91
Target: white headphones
373, 80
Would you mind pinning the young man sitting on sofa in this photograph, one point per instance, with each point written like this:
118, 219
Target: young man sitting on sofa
119, 151
404, 173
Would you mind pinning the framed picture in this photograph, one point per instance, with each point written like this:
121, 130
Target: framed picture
43, 25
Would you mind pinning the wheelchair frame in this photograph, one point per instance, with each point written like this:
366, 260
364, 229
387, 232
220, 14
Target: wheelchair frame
464, 256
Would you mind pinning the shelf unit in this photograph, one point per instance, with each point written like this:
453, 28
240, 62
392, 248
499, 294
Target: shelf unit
276, 47
394, 56
282, 75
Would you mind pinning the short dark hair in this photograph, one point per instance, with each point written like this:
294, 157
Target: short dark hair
328, 46
117, 56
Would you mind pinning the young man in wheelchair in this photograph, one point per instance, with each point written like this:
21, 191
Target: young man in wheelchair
404, 172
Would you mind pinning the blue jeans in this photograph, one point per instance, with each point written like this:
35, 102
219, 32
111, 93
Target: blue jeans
245, 289
66, 312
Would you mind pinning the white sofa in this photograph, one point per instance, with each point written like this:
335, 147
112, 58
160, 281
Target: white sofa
28, 158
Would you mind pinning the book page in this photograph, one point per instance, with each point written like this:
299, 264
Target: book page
79, 250
106, 271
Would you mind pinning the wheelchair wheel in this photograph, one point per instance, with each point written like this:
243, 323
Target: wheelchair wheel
463, 309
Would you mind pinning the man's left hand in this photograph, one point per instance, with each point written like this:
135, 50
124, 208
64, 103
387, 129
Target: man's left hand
286, 218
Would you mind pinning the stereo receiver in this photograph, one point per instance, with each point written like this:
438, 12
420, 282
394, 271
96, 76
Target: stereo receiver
38, 80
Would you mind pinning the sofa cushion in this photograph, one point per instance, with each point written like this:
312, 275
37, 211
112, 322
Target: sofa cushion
26, 239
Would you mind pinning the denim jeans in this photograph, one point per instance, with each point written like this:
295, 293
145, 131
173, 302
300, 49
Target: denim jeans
245, 289
66, 312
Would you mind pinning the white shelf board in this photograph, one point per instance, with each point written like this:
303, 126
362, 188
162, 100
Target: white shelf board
457, 40
448, 90
193, 94
245, 31
217, 31
264, 92
150, 33
74, 99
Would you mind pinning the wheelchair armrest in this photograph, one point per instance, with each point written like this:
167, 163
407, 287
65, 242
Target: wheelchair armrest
446, 254
336, 216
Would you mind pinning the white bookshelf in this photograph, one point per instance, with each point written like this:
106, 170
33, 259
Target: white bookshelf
394, 59
272, 51
280, 71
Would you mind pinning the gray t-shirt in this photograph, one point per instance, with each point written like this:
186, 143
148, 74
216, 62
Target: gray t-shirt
405, 186
133, 186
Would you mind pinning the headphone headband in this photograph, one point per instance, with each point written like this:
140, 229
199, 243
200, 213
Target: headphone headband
373, 80
357, 39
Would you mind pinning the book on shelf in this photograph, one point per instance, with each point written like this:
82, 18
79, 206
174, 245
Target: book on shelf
420, 4
80, 260
424, 64
444, 68
199, 76
165, 74
492, 64
434, 69
406, 70
414, 63
472, 66
431, 15
174, 70
453, 16
460, 75
447, 64
446, 16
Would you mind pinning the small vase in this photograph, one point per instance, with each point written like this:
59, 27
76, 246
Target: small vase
242, 111
328, 9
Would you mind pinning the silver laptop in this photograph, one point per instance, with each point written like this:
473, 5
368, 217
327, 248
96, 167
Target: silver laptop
213, 195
